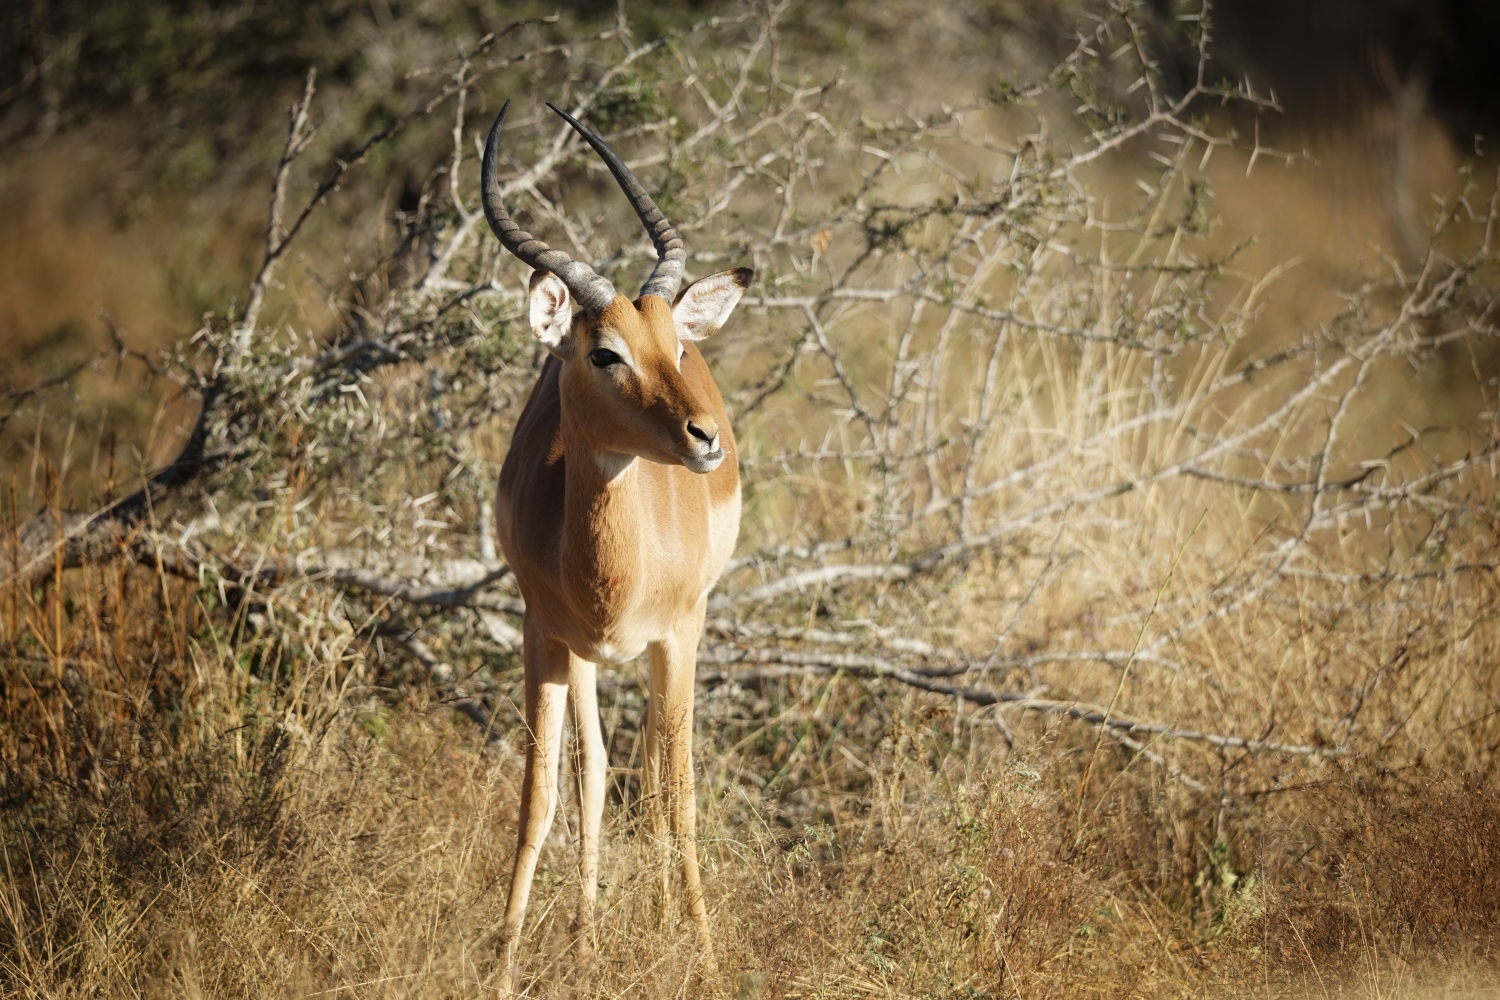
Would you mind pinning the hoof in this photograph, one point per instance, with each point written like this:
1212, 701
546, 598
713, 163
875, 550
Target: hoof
505, 988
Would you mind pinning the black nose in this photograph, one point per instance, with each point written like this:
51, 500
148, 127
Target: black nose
701, 434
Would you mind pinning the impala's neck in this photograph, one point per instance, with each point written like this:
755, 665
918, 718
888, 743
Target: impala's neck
603, 548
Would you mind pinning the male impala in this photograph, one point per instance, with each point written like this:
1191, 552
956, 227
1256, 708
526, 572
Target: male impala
619, 504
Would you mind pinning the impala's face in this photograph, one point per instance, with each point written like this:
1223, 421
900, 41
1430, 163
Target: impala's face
622, 383
624, 377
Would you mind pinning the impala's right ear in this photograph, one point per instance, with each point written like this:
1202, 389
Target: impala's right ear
551, 310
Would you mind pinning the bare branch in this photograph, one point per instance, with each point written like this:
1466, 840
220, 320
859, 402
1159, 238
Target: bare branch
298, 135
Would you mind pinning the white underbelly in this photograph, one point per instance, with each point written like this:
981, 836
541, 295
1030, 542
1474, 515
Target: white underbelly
613, 653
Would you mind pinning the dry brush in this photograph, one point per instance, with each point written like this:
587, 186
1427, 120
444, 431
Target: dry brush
1087, 633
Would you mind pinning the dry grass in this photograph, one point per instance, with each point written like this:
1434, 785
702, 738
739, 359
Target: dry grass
199, 816
1021, 474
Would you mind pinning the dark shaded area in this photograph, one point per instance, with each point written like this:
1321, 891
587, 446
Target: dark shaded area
210, 67
1328, 59
198, 64
202, 66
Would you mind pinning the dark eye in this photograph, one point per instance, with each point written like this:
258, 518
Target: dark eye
603, 357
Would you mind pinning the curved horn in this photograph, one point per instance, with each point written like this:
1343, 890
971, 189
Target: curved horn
670, 253
591, 291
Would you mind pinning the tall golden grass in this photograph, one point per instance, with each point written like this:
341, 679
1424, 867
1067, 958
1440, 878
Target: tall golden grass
189, 813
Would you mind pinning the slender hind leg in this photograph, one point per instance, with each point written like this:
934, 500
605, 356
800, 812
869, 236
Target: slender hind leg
590, 767
546, 665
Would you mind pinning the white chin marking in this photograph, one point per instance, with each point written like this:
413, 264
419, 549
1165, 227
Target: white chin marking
705, 463
612, 464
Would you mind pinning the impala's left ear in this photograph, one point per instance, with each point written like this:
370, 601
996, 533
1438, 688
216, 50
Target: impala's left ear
705, 305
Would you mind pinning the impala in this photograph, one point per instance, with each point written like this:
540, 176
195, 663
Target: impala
618, 506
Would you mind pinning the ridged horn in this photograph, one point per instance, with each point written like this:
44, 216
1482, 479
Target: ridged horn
591, 291
670, 253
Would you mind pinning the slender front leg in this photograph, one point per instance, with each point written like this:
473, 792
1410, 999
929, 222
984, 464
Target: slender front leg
590, 765
652, 792
546, 666
673, 663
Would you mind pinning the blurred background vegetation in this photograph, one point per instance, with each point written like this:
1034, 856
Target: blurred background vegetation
136, 140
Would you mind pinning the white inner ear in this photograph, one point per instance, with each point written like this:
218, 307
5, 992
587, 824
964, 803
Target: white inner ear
551, 309
706, 305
